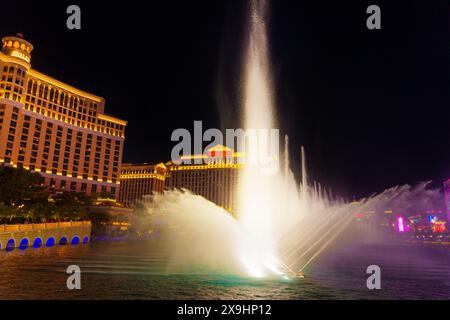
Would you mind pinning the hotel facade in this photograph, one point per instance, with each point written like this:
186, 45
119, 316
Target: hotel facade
213, 175
52, 128
140, 180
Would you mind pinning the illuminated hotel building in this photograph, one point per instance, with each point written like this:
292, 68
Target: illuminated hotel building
215, 178
139, 180
50, 127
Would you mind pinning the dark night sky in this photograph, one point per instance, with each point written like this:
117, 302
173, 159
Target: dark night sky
371, 107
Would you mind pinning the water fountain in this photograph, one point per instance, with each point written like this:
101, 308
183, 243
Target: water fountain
260, 241
281, 226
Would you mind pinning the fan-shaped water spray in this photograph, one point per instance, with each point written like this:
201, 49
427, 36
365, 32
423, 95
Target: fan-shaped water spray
281, 226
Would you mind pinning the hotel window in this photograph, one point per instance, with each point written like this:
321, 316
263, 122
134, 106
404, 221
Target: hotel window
29, 87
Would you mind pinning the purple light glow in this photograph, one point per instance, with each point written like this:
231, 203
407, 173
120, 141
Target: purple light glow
401, 225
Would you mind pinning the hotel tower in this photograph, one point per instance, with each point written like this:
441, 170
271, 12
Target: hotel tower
52, 128
214, 176
140, 180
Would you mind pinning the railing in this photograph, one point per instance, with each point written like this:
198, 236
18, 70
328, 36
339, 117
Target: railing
41, 226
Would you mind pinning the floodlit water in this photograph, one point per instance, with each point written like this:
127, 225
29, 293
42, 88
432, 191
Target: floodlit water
121, 270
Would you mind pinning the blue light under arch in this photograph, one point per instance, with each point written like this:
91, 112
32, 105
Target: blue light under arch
37, 243
63, 241
24, 244
50, 242
10, 245
85, 239
75, 240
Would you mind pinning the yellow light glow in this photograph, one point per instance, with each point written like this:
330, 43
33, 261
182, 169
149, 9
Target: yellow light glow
206, 167
64, 86
20, 55
111, 119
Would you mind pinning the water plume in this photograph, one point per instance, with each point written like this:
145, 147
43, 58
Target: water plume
281, 225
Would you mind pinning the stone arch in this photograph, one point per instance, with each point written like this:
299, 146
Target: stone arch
50, 242
37, 243
10, 245
75, 240
85, 239
63, 241
24, 243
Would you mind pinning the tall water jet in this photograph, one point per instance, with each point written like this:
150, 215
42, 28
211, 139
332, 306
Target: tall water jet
255, 192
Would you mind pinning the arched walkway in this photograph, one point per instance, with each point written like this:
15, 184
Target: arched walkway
85, 239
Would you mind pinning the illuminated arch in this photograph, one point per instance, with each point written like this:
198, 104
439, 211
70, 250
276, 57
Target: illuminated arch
75, 240
34, 89
50, 242
85, 239
24, 243
37, 243
29, 86
63, 241
10, 245
46, 92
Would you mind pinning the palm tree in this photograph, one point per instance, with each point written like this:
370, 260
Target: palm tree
8, 214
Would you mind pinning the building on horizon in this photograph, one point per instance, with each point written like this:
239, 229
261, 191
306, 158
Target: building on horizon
447, 198
140, 180
57, 130
215, 177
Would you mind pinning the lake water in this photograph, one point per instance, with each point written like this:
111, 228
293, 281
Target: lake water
135, 270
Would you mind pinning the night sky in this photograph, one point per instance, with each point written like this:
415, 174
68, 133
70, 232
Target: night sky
372, 107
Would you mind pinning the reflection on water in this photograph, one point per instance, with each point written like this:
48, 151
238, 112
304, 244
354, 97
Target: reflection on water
120, 270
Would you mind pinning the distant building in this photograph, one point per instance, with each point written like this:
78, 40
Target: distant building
110, 215
139, 180
447, 197
52, 128
215, 177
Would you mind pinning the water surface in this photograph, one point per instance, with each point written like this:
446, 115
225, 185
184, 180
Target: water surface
138, 270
